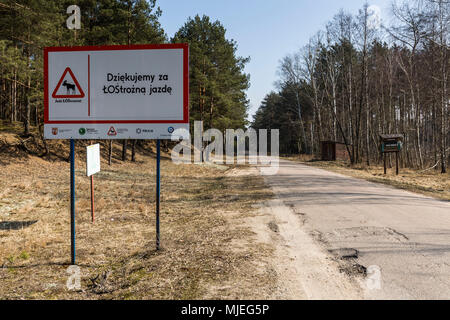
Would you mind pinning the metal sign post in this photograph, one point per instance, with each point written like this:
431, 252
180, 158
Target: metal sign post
92, 199
116, 92
72, 200
158, 190
92, 167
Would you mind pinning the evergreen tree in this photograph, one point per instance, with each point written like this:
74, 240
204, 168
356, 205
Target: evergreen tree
217, 79
27, 26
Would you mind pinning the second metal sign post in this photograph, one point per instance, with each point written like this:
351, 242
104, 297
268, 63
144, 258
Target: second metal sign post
115, 92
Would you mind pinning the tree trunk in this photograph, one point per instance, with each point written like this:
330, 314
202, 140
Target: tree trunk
124, 150
444, 97
366, 89
133, 151
27, 110
14, 98
303, 138
211, 108
110, 152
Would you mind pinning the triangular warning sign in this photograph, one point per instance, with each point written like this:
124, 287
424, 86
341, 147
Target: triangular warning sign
112, 132
71, 88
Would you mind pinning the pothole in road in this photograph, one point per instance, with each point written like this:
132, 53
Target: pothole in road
344, 253
346, 258
295, 210
369, 232
273, 226
354, 269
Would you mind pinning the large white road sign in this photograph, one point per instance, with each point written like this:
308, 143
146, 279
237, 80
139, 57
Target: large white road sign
116, 92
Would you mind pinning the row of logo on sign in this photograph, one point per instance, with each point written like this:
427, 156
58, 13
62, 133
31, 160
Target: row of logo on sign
111, 132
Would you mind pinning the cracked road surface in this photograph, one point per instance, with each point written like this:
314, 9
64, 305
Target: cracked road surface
404, 235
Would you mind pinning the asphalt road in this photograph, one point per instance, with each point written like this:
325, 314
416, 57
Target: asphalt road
405, 236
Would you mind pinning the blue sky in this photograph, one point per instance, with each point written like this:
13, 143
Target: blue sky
265, 30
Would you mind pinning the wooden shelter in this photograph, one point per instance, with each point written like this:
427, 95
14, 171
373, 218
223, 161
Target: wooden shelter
333, 150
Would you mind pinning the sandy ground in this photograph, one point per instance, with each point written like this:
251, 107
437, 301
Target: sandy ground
208, 251
394, 243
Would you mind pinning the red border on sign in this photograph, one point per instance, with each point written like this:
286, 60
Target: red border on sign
183, 46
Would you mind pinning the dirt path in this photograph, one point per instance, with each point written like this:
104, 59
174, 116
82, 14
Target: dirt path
400, 240
304, 268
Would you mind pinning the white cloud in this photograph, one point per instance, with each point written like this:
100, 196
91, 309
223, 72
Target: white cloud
374, 17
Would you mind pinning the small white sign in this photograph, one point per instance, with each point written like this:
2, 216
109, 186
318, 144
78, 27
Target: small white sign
92, 159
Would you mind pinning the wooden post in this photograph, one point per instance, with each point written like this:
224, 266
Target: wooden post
396, 163
92, 198
384, 156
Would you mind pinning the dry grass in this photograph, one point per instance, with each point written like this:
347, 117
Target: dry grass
207, 249
430, 183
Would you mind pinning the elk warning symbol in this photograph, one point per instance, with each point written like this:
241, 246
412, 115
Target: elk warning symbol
71, 86
112, 132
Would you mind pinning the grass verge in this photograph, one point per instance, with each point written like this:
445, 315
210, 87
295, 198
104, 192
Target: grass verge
207, 249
